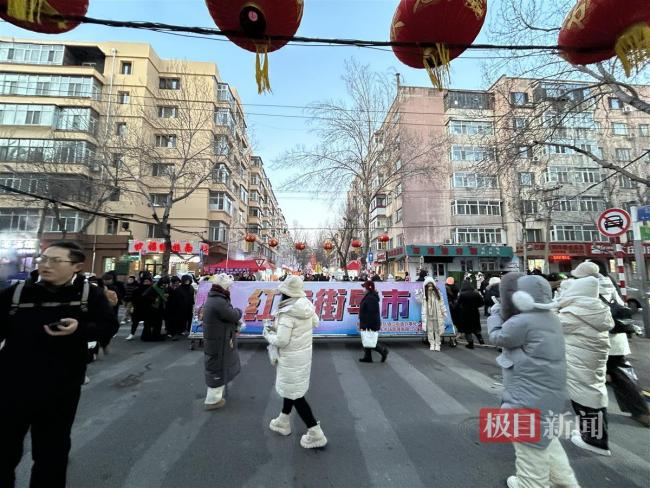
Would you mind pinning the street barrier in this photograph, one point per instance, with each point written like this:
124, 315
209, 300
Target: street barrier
337, 306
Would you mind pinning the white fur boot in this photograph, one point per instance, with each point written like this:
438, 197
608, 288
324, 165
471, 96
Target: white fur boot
214, 398
281, 425
313, 438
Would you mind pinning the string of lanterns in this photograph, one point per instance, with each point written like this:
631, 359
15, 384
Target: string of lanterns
447, 28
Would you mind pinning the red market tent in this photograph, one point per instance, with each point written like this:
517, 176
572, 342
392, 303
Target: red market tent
353, 266
238, 266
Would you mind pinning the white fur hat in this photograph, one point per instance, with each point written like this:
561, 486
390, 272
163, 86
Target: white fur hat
495, 280
292, 287
224, 280
533, 293
582, 287
586, 268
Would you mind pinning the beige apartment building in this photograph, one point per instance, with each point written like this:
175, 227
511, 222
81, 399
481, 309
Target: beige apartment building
114, 129
496, 200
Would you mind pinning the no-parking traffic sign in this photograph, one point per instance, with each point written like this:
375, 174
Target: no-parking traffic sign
614, 222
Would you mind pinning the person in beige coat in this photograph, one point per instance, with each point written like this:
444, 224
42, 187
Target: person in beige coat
295, 320
433, 312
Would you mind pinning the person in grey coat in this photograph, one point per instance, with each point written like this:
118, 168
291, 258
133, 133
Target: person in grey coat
220, 326
534, 377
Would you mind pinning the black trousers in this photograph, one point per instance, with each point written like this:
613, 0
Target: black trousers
303, 409
627, 393
592, 425
380, 348
470, 339
50, 414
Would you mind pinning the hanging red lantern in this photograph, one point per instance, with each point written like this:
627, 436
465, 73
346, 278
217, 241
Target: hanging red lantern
205, 248
442, 24
188, 248
300, 246
176, 246
250, 238
273, 242
138, 246
596, 30
162, 247
384, 238
328, 246
152, 246
356, 243
36, 15
254, 21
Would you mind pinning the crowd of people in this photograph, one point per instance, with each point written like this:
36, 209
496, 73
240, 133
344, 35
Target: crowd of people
555, 348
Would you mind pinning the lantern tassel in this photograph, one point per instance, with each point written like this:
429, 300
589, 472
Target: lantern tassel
437, 65
478, 6
25, 10
633, 47
262, 70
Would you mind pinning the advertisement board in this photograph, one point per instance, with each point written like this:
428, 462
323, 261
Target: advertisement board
336, 303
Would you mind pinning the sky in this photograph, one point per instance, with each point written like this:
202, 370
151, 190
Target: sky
299, 74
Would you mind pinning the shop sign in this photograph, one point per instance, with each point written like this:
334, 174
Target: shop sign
381, 257
461, 251
157, 246
22, 247
398, 252
556, 258
574, 250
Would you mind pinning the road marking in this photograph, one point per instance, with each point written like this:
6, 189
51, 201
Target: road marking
435, 397
374, 430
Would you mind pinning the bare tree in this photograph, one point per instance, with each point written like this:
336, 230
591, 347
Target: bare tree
361, 147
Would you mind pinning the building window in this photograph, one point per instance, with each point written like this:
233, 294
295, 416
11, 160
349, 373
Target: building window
112, 226
126, 68
221, 145
24, 53
534, 235
218, 231
398, 189
476, 207
170, 84
525, 152
254, 212
526, 179
590, 204
221, 174
565, 205
615, 104
120, 129
69, 221
398, 215
519, 124
519, 99
114, 195
587, 175
623, 154
619, 129
625, 182
557, 174
473, 180
644, 130
155, 231
529, 207
471, 153
243, 194
19, 220
466, 235
123, 97
159, 199
468, 100
162, 169
166, 140
165, 112
221, 201
471, 127
575, 233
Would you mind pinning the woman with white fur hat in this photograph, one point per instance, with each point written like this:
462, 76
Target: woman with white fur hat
220, 327
586, 322
433, 312
295, 320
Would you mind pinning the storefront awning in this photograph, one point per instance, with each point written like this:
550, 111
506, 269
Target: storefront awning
435, 250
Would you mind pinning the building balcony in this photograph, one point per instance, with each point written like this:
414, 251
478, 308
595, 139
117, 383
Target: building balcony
377, 212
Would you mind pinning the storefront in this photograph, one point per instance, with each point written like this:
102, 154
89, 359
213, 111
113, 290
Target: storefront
17, 256
186, 256
440, 260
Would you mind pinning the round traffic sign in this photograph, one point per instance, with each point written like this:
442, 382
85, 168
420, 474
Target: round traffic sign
614, 222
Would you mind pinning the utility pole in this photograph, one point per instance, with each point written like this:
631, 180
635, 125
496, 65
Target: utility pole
641, 270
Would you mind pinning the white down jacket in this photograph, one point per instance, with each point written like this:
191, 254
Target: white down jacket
586, 322
437, 306
620, 344
295, 321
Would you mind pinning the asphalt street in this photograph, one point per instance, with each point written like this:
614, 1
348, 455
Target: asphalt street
411, 422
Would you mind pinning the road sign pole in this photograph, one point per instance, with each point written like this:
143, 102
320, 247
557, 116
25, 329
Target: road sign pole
641, 271
620, 265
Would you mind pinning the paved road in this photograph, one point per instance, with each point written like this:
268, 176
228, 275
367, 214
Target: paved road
411, 422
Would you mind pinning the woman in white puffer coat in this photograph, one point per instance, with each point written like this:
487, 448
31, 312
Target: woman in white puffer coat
295, 320
586, 322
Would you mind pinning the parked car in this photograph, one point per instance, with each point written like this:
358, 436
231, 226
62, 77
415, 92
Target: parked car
634, 298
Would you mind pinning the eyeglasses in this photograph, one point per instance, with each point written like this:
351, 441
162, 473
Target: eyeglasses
52, 260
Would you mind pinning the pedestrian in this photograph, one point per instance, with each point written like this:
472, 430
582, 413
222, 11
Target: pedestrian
467, 310
586, 322
421, 275
189, 298
433, 312
154, 301
620, 373
112, 283
43, 366
452, 290
173, 310
113, 301
491, 292
129, 291
370, 320
292, 334
220, 327
140, 308
406, 276
534, 377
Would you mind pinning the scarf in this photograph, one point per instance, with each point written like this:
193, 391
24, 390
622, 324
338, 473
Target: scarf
221, 290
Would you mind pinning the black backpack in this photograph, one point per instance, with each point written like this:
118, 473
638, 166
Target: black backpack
622, 316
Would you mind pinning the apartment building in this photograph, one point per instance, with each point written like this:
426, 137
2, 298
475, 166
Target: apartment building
495, 200
114, 129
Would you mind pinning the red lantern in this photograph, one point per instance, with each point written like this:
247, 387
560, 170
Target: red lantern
255, 20
250, 238
138, 246
622, 30
176, 246
300, 246
34, 15
384, 238
205, 248
328, 246
356, 243
161, 247
442, 23
188, 248
273, 242
152, 246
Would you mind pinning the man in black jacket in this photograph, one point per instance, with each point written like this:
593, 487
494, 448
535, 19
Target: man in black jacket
46, 326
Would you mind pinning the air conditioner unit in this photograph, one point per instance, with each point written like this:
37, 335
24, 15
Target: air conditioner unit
94, 166
627, 108
535, 159
449, 241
